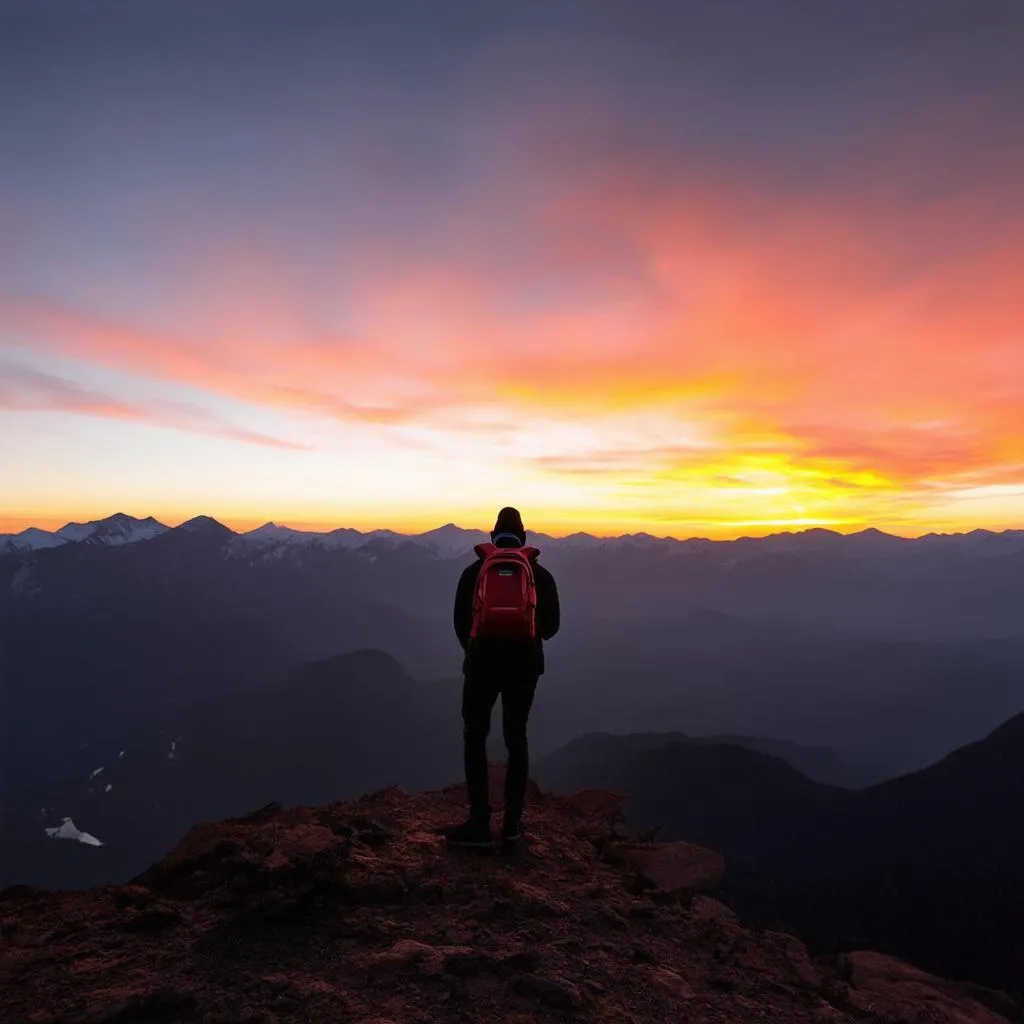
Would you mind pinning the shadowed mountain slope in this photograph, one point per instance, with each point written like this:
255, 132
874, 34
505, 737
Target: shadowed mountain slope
818, 763
889, 652
926, 865
333, 728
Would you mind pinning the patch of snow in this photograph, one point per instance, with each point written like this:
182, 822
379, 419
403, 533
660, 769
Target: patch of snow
97, 771
107, 788
142, 532
76, 532
37, 539
68, 830
121, 755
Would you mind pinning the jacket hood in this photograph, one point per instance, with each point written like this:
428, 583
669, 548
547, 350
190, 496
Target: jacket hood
508, 529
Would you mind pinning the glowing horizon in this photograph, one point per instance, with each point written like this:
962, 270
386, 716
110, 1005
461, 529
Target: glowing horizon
623, 302
416, 527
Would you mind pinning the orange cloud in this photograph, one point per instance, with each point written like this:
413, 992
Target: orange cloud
844, 356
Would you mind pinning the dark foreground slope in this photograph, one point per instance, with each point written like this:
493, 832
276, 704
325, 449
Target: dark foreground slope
357, 913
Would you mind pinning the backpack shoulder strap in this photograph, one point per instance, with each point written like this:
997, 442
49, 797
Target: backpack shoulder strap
486, 550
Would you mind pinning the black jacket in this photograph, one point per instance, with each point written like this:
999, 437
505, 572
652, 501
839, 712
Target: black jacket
547, 612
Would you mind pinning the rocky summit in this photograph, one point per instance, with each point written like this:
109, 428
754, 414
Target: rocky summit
358, 912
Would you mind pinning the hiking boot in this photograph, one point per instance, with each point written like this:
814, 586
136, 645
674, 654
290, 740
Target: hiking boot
511, 834
476, 834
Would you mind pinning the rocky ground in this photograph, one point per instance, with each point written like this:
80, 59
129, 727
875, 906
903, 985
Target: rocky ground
358, 913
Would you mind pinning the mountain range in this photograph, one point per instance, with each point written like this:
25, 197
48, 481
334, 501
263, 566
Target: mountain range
451, 541
888, 652
116, 529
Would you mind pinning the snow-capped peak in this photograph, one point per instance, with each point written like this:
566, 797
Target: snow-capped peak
112, 531
76, 532
32, 539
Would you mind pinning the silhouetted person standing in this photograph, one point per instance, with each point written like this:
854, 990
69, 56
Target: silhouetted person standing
506, 606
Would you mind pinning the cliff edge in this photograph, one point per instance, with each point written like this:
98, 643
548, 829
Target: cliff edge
358, 912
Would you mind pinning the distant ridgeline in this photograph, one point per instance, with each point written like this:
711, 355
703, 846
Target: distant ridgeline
454, 541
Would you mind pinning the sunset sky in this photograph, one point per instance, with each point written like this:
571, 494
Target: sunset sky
691, 268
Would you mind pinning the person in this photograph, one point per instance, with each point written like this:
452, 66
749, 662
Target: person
505, 667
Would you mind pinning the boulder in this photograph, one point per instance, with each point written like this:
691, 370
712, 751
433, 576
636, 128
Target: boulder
671, 867
897, 993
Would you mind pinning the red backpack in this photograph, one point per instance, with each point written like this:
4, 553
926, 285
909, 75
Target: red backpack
505, 602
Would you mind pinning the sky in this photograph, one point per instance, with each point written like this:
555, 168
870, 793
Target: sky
688, 268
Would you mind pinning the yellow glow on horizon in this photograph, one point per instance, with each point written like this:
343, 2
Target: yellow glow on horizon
729, 380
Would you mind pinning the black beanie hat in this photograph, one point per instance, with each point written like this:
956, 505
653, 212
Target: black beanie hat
509, 521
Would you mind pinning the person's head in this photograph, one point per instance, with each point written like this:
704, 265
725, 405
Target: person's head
508, 529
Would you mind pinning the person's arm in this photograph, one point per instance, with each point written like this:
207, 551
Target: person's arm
548, 612
463, 614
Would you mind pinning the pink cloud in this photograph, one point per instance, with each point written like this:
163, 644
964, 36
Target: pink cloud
841, 330
24, 389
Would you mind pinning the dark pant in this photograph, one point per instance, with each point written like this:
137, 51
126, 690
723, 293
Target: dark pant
479, 694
